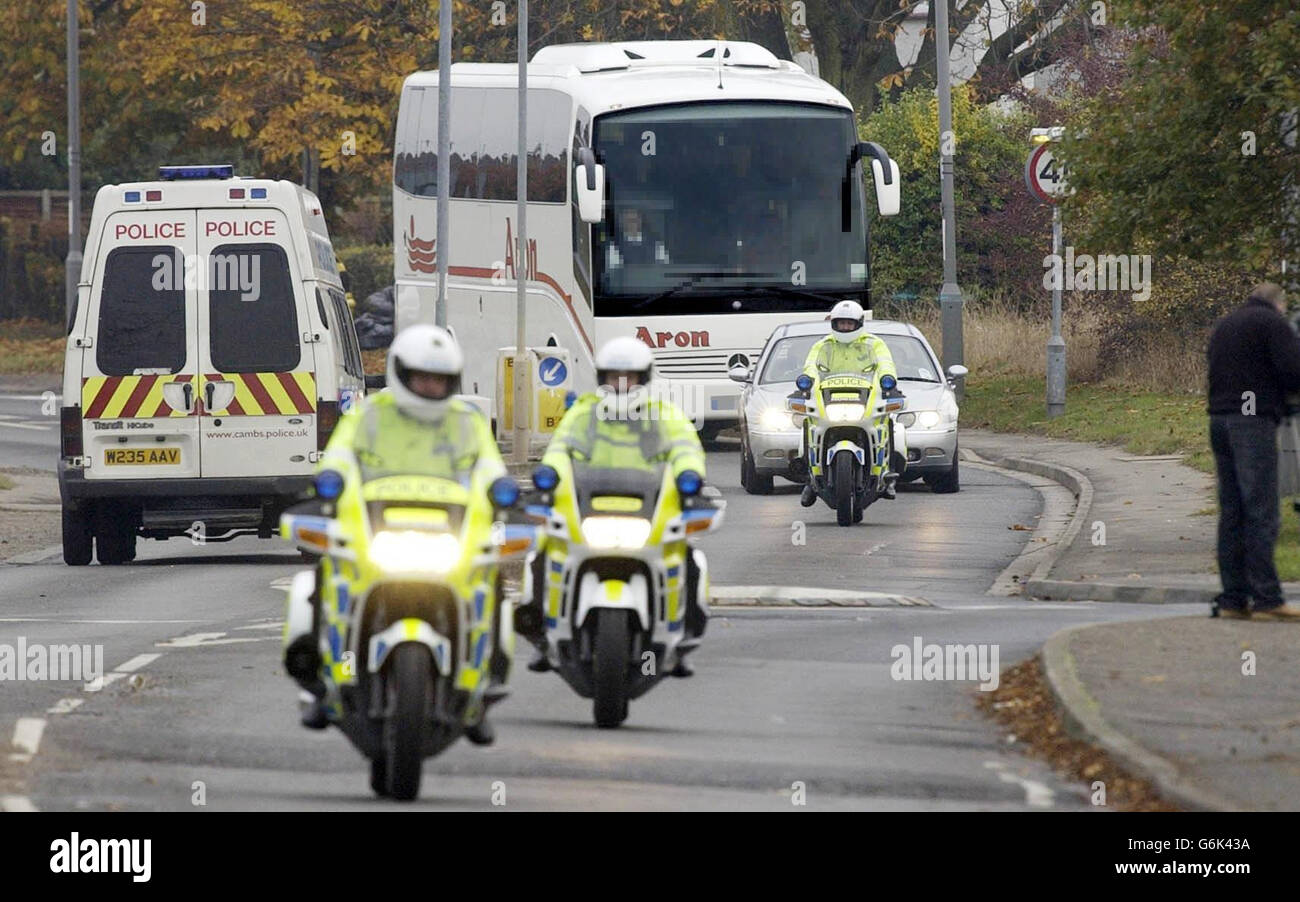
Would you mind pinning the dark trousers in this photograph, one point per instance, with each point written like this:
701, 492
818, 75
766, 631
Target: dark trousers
1245, 459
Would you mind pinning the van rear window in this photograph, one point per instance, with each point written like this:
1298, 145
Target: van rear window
254, 319
141, 318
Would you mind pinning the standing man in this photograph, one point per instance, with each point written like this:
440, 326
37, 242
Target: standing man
1254, 362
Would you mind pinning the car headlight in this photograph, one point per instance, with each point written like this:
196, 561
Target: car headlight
410, 550
905, 419
775, 419
615, 532
927, 419
845, 413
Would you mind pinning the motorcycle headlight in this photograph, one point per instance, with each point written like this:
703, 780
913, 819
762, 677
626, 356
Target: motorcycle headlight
615, 532
775, 419
927, 419
845, 413
407, 551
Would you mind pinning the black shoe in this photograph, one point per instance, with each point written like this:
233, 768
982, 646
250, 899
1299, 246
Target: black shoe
890, 491
682, 669
312, 713
482, 733
539, 663
808, 497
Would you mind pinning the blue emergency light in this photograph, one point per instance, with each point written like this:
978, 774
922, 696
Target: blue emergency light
175, 173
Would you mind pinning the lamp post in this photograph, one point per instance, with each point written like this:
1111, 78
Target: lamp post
951, 302
72, 264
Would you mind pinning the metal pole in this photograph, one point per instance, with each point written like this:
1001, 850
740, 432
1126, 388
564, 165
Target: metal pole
72, 265
951, 302
1056, 344
444, 159
522, 388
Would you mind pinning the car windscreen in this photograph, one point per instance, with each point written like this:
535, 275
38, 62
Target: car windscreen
912, 362
254, 319
141, 313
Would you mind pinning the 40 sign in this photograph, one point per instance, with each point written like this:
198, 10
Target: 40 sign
1045, 175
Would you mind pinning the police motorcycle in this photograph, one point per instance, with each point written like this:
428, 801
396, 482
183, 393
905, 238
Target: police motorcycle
403, 629
849, 427
617, 571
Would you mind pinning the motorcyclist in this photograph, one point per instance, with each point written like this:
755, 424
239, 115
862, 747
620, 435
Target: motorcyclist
622, 426
849, 348
416, 425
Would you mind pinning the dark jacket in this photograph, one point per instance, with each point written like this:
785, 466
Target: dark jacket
1253, 349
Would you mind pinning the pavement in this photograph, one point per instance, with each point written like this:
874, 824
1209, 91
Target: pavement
1204, 708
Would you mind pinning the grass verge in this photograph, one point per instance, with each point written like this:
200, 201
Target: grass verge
5, 482
31, 346
1142, 422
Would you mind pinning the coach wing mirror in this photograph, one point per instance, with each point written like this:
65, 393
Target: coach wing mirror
884, 174
591, 187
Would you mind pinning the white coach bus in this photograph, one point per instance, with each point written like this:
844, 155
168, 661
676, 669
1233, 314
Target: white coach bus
694, 194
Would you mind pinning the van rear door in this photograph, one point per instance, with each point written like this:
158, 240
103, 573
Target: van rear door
139, 371
258, 385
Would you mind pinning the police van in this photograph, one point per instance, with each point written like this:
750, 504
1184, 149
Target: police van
210, 354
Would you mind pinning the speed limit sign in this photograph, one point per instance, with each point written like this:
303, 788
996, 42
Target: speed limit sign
1045, 175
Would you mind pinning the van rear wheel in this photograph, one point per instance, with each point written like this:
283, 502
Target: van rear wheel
78, 537
114, 535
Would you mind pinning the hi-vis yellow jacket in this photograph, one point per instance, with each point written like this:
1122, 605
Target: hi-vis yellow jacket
603, 434
385, 440
830, 356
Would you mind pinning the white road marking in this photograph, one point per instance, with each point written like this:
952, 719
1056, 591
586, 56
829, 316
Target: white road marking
272, 625
4, 417
16, 804
27, 738
6, 397
99, 684
1037, 795
137, 662
1026, 606
61, 620
65, 706
195, 640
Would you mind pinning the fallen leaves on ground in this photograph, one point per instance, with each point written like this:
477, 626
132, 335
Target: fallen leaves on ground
1023, 704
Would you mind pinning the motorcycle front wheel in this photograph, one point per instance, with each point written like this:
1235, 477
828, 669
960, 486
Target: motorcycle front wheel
845, 487
609, 668
406, 724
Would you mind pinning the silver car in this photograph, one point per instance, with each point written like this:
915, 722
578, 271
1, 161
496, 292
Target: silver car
769, 439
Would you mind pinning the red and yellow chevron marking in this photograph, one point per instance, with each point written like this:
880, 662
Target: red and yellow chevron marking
123, 397
261, 394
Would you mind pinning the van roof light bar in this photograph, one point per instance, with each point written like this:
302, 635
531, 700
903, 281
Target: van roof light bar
176, 173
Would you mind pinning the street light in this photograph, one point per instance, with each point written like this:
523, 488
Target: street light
951, 302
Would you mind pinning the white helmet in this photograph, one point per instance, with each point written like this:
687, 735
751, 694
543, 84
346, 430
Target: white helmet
848, 310
615, 361
423, 348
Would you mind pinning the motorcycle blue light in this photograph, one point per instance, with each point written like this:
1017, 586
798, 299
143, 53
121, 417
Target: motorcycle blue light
689, 483
329, 484
504, 491
545, 477
569, 398
804, 382
888, 382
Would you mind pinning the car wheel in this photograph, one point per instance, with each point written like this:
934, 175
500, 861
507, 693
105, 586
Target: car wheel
949, 481
751, 480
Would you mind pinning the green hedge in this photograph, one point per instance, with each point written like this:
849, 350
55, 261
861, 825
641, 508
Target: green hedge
370, 266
